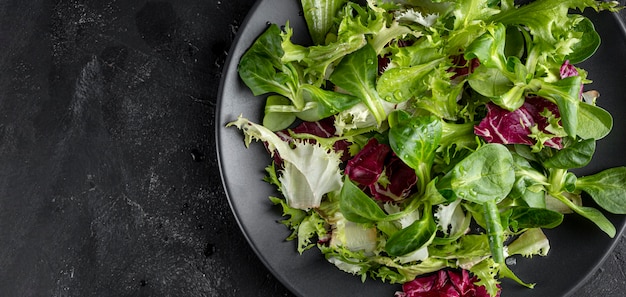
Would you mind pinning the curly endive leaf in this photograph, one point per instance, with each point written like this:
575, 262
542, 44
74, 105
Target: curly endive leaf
309, 170
531, 242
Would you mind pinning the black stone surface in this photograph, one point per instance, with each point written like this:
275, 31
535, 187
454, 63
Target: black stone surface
109, 184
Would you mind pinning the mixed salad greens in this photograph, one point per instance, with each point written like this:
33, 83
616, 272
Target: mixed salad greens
423, 136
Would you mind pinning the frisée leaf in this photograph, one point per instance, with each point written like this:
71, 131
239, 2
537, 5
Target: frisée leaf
310, 171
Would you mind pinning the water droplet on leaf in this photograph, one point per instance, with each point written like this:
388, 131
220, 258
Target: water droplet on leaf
398, 94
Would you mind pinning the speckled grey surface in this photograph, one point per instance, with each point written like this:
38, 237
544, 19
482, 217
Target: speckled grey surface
109, 183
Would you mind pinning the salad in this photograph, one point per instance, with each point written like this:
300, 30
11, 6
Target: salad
423, 142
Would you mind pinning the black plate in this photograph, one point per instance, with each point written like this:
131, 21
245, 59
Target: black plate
577, 247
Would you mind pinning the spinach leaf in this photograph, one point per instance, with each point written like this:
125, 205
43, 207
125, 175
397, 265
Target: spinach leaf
485, 175
607, 188
588, 44
529, 183
576, 155
569, 182
327, 102
262, 70
492, 82
413, 237
591, 214
522, 217
534, 199
593, 122
356, 73
357, 207
267, 46
414, 139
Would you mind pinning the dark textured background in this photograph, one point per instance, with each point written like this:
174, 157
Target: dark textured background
109, 183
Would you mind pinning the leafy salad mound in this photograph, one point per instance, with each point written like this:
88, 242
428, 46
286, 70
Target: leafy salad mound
421, 136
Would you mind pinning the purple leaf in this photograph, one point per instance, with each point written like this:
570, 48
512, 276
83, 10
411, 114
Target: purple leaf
568, 70
366, 166
514, 127
463, 67
444, 283
402, 180
323, 128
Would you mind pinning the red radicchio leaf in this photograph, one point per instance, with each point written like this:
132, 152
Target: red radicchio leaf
448, 283
420, 285
513, 127
367, 165
343, 146
568, 70
401, 178
463, 67
383, 62
324, 128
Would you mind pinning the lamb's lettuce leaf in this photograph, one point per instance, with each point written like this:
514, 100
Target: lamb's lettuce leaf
607, 188
356, 73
